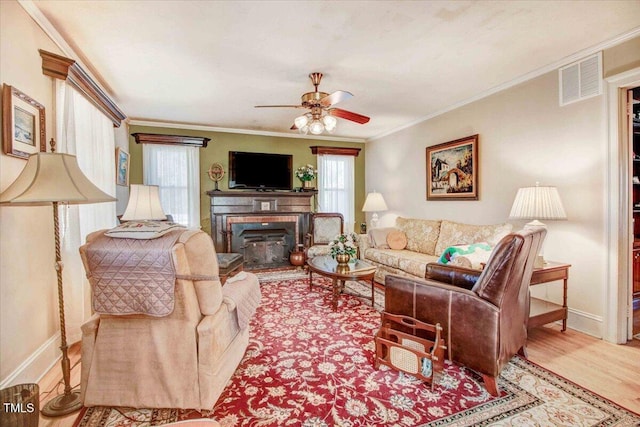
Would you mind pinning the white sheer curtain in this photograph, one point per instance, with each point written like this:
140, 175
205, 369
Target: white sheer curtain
82, 130
336, 186
176, 170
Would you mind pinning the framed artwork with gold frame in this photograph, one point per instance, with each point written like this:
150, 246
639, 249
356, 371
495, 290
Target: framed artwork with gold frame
452, 170
23, 123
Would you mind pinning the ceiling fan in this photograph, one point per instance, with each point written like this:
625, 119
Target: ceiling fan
322, 115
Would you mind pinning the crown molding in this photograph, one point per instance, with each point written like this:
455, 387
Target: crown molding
206, 128
525, 77
63, 68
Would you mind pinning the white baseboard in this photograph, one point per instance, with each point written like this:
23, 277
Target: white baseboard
586, 323
35, 366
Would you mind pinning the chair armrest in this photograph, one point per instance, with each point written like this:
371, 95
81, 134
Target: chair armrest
308, 240
455, 276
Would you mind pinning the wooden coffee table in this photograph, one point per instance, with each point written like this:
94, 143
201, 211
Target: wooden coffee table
328, 267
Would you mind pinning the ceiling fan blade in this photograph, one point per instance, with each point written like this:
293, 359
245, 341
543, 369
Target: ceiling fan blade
344, 114
335, 97
294, 127
278, 106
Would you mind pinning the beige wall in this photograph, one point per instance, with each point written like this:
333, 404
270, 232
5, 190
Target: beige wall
524, 137
28, 301
221, 143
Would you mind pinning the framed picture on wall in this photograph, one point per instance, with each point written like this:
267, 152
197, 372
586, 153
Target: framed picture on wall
23, 123
122, 167
452, 170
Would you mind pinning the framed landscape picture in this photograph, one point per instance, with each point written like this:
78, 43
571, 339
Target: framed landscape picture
23, 123
452, 170
122, 167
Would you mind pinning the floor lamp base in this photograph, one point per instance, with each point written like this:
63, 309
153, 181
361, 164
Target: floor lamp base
62, 405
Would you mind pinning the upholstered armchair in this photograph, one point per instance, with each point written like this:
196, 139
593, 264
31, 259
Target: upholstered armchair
323, 228
166, 334
484, 314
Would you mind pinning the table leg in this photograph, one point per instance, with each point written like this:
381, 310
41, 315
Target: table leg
337, 290
564, 304
372, 293
310, 281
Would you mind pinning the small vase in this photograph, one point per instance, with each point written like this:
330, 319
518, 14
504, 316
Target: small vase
306, 184
343, 258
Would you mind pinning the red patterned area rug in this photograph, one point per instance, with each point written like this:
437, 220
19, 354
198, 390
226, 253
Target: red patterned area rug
309, 366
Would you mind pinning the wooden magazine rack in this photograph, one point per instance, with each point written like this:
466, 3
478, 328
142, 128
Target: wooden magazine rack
417, 356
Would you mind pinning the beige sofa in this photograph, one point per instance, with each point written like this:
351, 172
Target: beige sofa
183, 359
426, 240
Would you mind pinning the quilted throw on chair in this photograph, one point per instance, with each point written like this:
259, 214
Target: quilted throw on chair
132, 276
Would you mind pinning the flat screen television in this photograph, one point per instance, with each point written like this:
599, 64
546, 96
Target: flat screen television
262, 171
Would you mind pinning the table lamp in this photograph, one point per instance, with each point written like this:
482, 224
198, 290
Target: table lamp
52, 179
144, 204
374, 203
537, 203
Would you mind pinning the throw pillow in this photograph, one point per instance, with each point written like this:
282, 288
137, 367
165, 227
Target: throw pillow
397, 240
142, 229
378, 237
470, 256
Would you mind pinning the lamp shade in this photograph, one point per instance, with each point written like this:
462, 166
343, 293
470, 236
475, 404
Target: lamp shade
537, 203
144, 204
49, 178
374, 203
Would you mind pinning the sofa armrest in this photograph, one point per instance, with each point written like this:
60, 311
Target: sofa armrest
455, 276
363, 244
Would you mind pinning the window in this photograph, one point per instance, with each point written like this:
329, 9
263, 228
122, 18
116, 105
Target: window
336, 186
175, 170
84, 131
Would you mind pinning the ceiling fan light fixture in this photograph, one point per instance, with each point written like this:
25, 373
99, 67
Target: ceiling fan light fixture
301, 121
316, 127
329, 123
304, 130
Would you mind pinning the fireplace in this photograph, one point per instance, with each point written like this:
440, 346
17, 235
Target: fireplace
265, 241
263, 226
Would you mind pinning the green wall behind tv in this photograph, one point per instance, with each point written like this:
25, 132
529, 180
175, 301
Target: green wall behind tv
221, 143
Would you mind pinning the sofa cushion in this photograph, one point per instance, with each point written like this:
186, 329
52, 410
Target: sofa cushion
396, 239
402, 261
422, 234
385, 256
455, 233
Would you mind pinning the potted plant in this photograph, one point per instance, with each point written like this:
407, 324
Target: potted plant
306, 174
343, 247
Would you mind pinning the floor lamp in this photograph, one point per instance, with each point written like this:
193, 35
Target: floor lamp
52, 179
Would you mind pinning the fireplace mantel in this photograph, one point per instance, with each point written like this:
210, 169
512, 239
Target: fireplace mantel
229, 207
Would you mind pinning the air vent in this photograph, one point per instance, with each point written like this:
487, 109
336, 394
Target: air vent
581, 80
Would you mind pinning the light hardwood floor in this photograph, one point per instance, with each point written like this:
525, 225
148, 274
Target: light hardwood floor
612, 371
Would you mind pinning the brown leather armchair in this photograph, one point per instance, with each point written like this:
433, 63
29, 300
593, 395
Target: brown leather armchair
484, 314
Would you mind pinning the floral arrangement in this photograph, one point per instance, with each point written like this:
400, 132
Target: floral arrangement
306, 173
345, 243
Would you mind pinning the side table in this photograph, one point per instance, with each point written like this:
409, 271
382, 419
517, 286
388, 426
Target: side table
541, 311
229, 264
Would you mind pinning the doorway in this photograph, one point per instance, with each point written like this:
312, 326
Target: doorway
633, 117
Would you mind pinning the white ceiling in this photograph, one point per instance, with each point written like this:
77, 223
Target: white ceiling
209, 62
